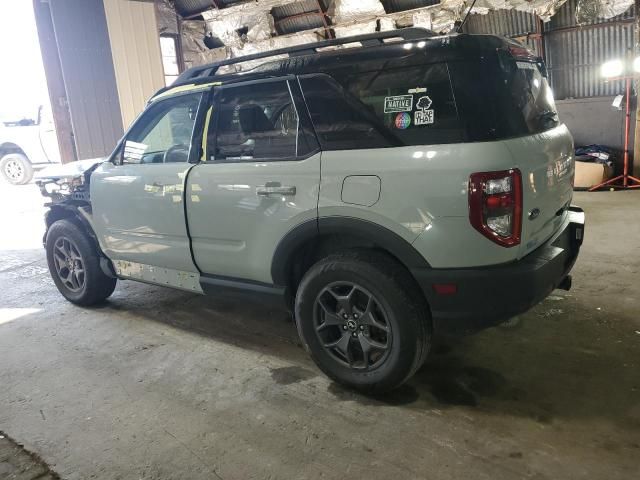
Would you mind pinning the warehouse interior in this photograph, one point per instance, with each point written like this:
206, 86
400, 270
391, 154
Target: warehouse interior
155, 383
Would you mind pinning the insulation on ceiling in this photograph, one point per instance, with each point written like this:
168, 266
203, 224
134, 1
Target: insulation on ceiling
250, 27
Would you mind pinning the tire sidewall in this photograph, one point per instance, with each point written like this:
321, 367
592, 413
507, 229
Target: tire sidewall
26, 168
405, 329
66, 228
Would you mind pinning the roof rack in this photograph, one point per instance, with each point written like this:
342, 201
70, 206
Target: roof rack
372, 39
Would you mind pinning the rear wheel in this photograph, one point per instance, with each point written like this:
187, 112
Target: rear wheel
74, 264
16, 169
363, 320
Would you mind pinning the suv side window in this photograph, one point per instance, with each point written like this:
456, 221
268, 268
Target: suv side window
163, 133
415, 103
341, 121
384, 108
258, 121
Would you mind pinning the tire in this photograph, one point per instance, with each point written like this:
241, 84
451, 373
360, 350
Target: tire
375, 283
16, 169
82, 283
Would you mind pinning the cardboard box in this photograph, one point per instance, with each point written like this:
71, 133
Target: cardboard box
589, 174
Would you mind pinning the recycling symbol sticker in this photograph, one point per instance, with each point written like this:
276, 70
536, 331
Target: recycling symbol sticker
423, 116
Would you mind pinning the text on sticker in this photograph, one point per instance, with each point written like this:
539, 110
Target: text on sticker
399, 103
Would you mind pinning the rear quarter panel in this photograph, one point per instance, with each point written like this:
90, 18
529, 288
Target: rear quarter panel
424, 193
423, 197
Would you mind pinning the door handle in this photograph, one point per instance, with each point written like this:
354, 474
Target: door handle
268, 190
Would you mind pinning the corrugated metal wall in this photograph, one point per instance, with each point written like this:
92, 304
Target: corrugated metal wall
83, 44
135, 48
573, 53
509, 23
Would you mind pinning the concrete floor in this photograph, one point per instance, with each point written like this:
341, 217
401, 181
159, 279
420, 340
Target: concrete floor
160, 384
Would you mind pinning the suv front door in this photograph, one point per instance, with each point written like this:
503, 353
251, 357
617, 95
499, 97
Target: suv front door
259, 178
138, 200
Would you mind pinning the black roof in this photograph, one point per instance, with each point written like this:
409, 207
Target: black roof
397, 48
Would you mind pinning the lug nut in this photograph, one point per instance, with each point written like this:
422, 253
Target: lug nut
355, 315
361, 327
345, 316
355, 334
344, 327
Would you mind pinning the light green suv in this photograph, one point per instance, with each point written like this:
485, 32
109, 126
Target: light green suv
406, 187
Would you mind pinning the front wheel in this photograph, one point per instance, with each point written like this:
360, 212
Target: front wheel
360, 316
74, 264
16, 169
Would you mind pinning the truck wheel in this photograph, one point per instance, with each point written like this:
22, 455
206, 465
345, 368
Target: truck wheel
16, 169
362, 319
74, 264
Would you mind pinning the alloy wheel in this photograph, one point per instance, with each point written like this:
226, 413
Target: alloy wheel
69, 264
352, 326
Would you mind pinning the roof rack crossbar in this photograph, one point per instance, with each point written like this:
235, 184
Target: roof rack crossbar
210, 70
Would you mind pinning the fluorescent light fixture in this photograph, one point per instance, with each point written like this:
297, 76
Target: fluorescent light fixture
612, 68
636, 64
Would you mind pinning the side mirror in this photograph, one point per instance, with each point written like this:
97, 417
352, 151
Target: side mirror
116, 156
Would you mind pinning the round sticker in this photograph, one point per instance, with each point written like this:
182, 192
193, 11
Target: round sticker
403, 120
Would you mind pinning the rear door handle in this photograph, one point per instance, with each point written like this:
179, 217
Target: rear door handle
268, 190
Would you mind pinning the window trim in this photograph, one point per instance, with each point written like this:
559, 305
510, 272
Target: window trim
299, 105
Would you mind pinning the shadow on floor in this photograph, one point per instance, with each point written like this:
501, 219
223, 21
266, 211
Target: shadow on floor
558, 362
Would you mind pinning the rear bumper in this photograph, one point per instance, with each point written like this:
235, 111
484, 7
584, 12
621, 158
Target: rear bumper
488, 296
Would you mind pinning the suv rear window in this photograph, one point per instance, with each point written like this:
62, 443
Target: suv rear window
501, 97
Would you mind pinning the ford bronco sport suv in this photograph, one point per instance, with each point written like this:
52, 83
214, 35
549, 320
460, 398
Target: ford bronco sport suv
391, 187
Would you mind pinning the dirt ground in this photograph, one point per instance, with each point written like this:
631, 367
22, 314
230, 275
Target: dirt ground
160, 384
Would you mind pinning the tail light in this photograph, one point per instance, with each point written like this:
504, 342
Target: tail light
495, 205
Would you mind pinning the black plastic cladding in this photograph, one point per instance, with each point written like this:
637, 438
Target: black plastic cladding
366, 58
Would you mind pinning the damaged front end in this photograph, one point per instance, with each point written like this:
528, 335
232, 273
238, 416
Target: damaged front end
67, 183
68, 188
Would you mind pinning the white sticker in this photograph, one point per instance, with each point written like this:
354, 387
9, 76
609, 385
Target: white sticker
418, 90
134, 150
399, 103
526, 65
423, 115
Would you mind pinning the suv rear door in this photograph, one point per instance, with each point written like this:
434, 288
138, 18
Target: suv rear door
259, 178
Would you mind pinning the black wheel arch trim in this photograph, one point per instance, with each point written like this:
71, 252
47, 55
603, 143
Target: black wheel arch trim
356, 227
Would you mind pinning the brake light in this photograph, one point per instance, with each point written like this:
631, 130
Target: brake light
495, 205
521, 53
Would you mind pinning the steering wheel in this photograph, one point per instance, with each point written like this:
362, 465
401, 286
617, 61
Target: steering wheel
180, 151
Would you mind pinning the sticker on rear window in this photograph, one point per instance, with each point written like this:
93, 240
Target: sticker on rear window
399, 103
418, 90
403, 121
424, 115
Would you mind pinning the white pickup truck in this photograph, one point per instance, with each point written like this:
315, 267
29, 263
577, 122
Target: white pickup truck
27, 145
